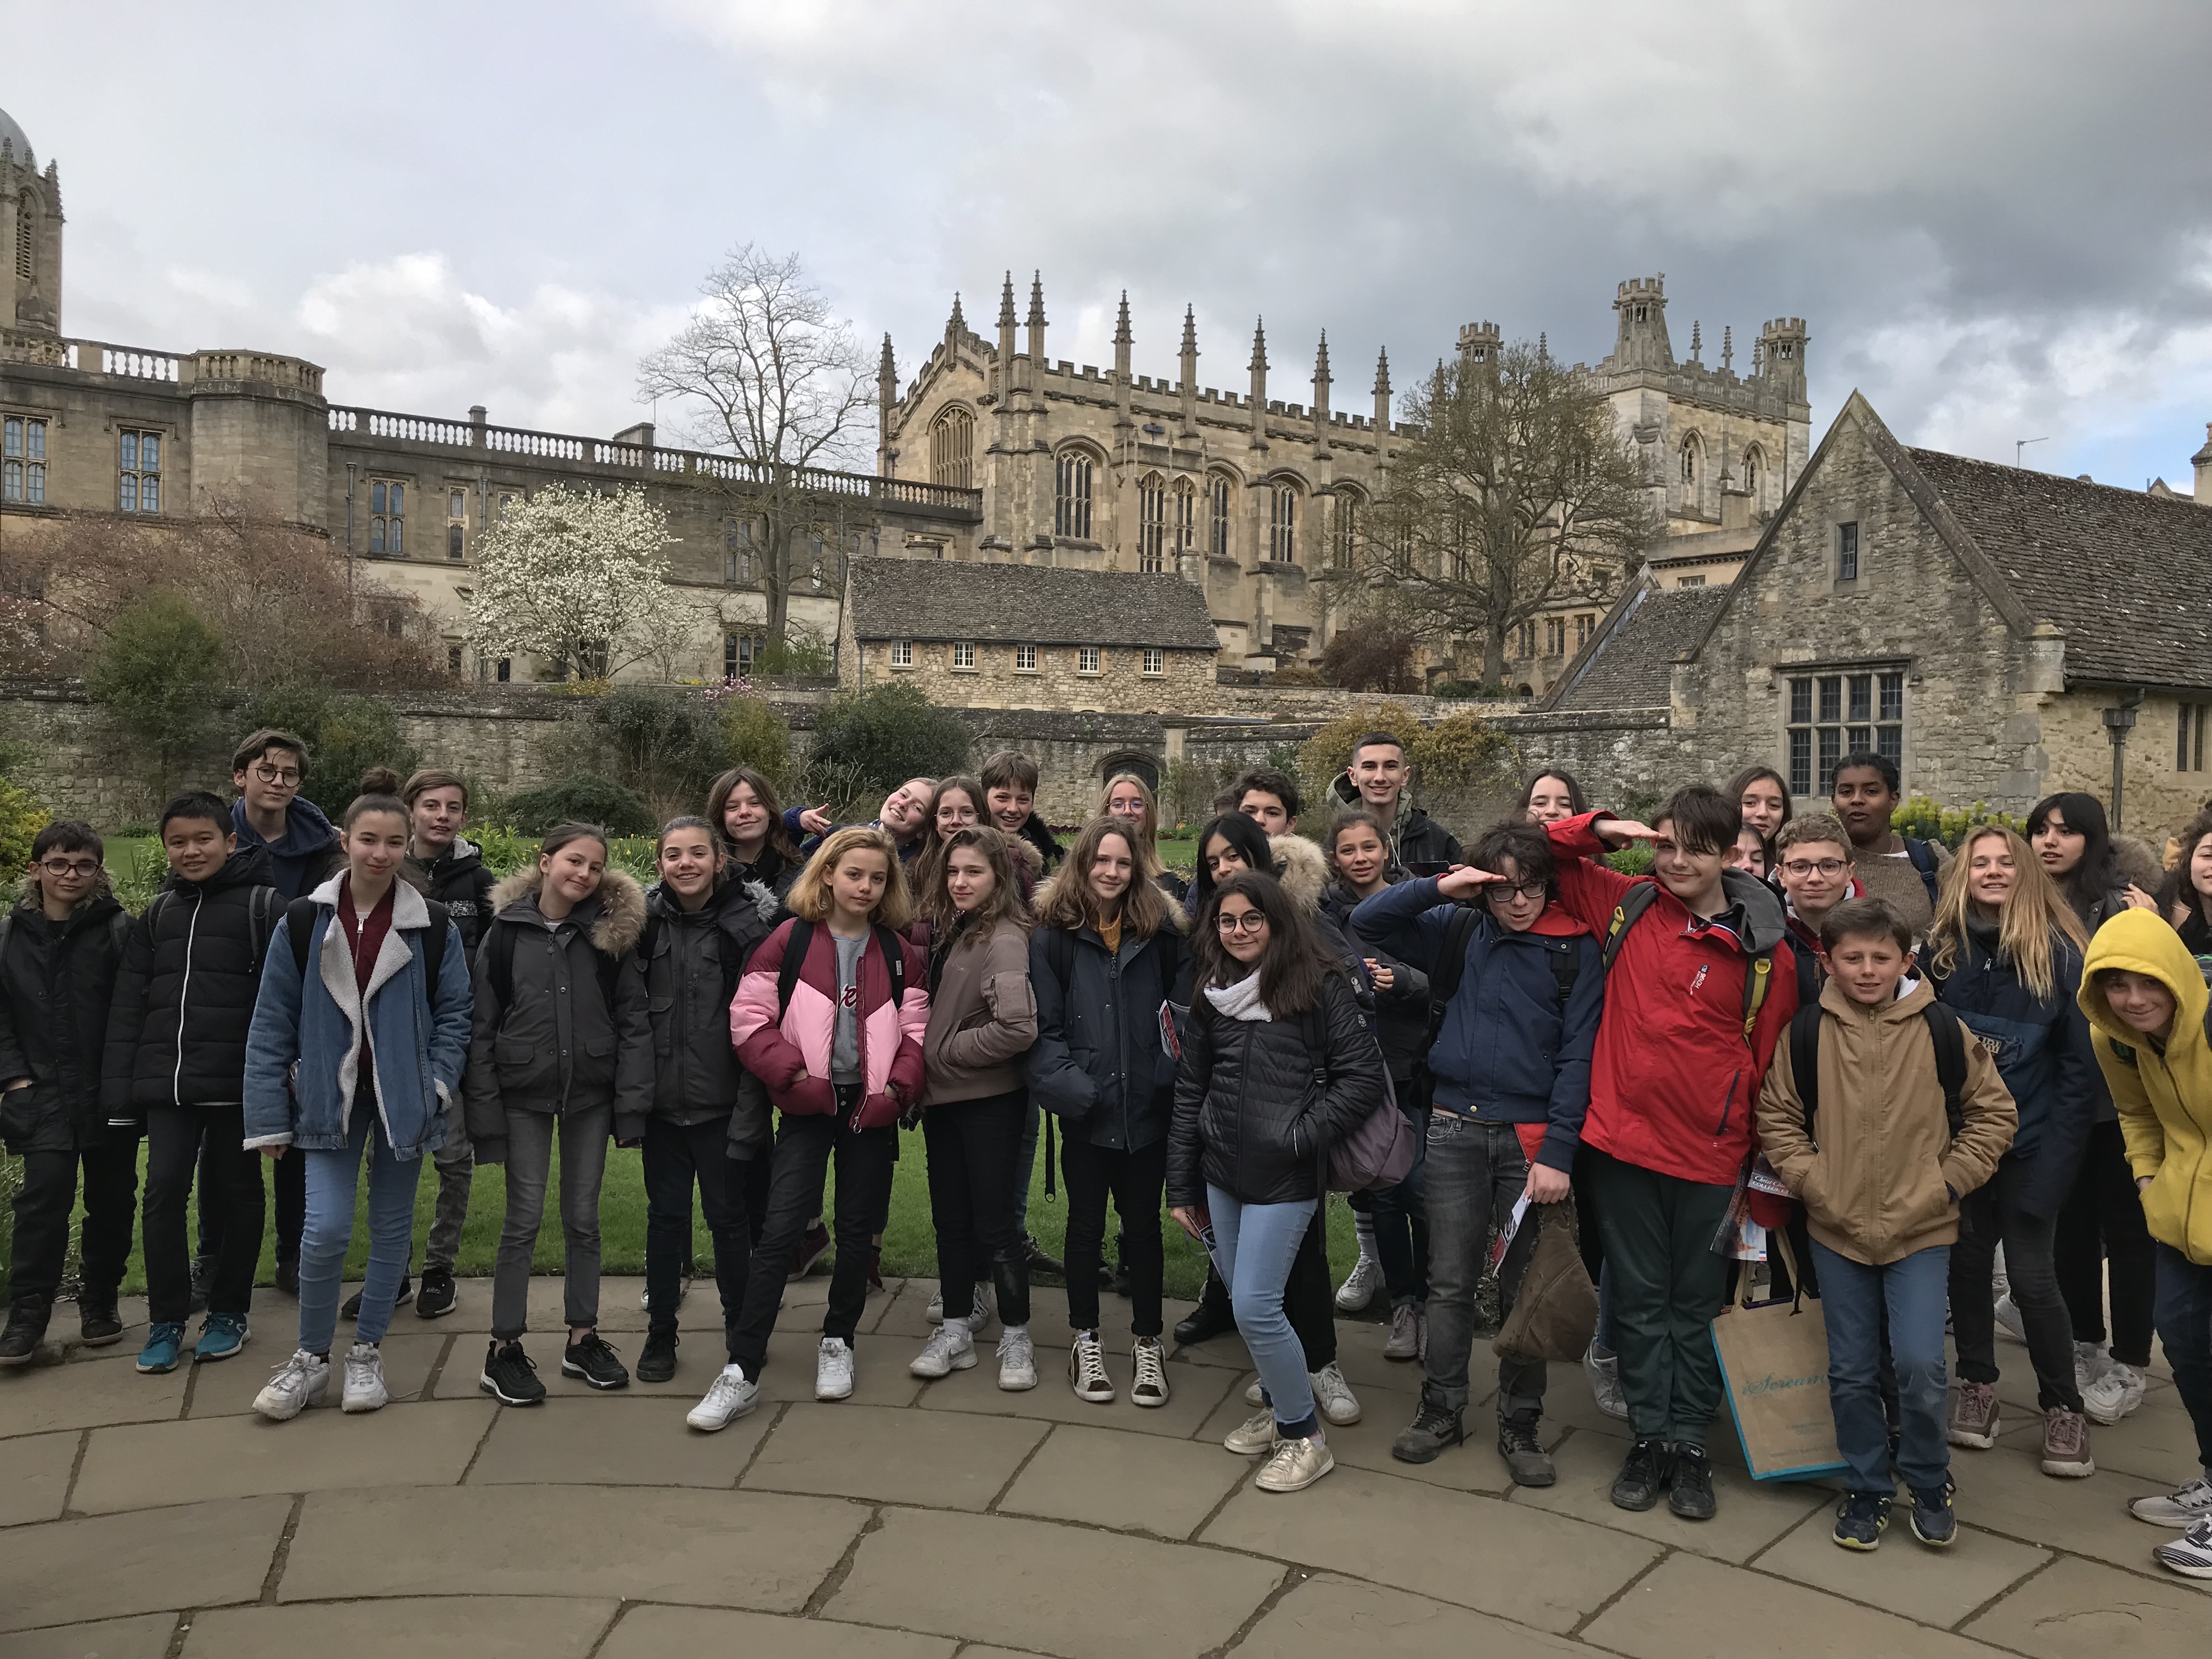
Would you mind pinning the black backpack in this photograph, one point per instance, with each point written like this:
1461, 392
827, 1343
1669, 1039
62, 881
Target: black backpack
1944, 1027
794, 962
1923, 854
260, 910
1638, 899
299, 928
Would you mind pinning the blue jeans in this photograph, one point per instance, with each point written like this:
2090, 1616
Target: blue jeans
1253, 1245
1025, 1166
1476, 1173
328, 1230
2184, 1317
1853, 1296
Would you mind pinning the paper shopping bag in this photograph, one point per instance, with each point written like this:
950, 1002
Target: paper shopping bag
1774, 1365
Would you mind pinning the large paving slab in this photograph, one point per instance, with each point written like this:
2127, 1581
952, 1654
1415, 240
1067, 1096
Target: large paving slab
446, 1627
1520, 1563
201, 1554
614, 1442
38, 1476
316, 1451
657, 1632
2081, 1610
1331, 1618
727, 1549
86, 1393
2155, 1442
1937, 1587
146, 1636
1130, 1482
1749, 1515
1057, 1589
2006, 1492
939, 1460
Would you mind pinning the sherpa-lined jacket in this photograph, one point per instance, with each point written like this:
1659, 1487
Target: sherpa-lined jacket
304, 1053
791, 1054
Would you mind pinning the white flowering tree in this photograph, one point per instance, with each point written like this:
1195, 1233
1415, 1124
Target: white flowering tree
580, 580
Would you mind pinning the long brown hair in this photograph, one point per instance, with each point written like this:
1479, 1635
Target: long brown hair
2176, 893
717, 801
2034, 913
1067, 900
1148, 860
1293, 965
1004, 903
929, 847
809, 898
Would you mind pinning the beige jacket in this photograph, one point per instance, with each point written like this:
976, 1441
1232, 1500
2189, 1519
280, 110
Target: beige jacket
1873, 1186
982, 1018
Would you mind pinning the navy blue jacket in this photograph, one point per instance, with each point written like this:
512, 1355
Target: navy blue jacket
1509, 1051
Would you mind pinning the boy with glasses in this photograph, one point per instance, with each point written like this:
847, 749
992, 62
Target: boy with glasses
1814, 866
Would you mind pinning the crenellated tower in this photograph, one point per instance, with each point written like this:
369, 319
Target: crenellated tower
1640, 306
30, 241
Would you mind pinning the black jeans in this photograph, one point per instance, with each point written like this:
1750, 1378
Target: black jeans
231, 1186
42, 1218
1667, 1288
972, 1146
2184, 1327
677, 1156
1308, 1297
287, 1183
1135, 1181
2101, 1222
1988, 1216
804, 1147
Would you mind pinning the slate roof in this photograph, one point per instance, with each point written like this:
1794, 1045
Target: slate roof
2128, 576
1629, 663
893, 598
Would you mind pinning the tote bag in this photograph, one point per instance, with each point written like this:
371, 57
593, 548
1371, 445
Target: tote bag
1774, 1366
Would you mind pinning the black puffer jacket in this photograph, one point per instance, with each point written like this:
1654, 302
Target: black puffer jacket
184, 994
691, 961
1248, 1118
457, 878
771, 870
56, 983
1098, 1063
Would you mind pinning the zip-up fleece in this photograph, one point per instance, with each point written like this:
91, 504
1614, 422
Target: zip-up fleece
184, 993
1674, 1085
1872, 1172
790, 1055
983, 1017
304, 1055
2163, 1090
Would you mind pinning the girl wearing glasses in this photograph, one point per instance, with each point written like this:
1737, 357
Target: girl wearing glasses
1278, 1065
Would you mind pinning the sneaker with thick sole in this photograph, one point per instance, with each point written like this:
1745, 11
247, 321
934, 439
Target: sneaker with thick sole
1643, 1475
729, 1397
1017, 1371
2190, 1554
26, 1328
296, 1385
2113, 1394
593, 1362
1334, 1397
833, 1370
1148, 1385
1603, 1372
1435, 1426
1861, 1518
364, 1379
1294, 1465
1405, 1339
2008, 1319
2091, 1361
2066, 1445
1526, 1460
1933, 1521
1204, 1322
1087, 1370
2183, 1507
1689, 1483
1974, 1419
435, 1298
350, 1308
510, 1375
656, 1361
813, 1245
98, 1323
1359, 1285
221, 1335
950, 1348
164, 1347
1254, 1435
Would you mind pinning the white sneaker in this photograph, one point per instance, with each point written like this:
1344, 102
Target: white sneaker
2183, 1508
2190, 1555
1604, 1375
1017, 1361
729, 1397
2091, 1361
952, 1348
2008, 1319
1294, 1465
833, 1370
1254, 1436
1339, 1406
298, 1384
364, 1379
1087, 1370
1405, 1341
2114, 1394
1149, 1387
1360, 1287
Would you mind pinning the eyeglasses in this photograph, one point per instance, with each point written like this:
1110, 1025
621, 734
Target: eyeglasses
1251, 921
1807, 866
283, 774
1531, 890
69, 866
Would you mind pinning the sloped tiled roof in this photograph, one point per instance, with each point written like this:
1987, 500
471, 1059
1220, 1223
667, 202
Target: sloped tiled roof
1630, 663
895, 599
2127, 574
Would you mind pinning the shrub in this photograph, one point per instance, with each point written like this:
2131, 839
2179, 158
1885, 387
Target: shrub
1633, 860
158, 674
890, 734
139, 877
807, 653
665, 745
346, 736
1371, 656
22, 817
1323, 757
755, 735
1459, 753
586, 798
1928, 820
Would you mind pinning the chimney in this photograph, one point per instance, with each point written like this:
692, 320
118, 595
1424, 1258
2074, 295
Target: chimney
2203, 462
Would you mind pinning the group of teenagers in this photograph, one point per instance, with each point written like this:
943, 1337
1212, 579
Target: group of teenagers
1950, 1090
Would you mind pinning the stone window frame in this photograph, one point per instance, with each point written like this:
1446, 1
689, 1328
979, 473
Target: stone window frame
387, 523
1555, 636
1220, 520
1526, 640
1090, 661
1689, 581
1151, 523
1026, 659
1185, 515
740, 652
901, 654
1074, 494
132, 475
1816, 732
1585, 625
25, 455
1155, 662
2188, 736
1282, 521
952, 447
457, 524
962, 656
1754, 463
738, 550
1344, 528
1847, 536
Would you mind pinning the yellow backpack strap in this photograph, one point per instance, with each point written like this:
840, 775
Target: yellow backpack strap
1754, 991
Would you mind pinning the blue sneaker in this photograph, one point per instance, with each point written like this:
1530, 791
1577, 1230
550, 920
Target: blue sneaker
164, 1346
1932, 1522
221, 1336
1860, 1518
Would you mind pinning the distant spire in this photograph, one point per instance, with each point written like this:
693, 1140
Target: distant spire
1259, 344
1383, 372
888, 365
1036, 300
1728, 346
1189, 332
1006, 302
955, 326
1122, 324
1543, 347
1321, 361
1697, 339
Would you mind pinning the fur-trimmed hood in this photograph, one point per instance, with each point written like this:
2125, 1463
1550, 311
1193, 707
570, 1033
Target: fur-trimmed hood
1303, 869
620, 900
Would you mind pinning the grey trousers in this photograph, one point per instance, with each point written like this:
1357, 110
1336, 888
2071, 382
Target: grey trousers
583, 1132
456, 1163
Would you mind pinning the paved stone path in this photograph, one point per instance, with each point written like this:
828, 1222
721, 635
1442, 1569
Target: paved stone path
143, 1516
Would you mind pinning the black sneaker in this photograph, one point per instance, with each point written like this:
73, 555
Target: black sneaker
813, 1245
1435, 1426
1690, 1484
1526, 1460
658, 1363
351, 1307
98, 1322
510, 1375
436, 1297
1206, 1321
1044, 1268
1643, 1473
26, 1328
594, 1361
288, 1278
1932, 1522
202, 1282
1861, 1517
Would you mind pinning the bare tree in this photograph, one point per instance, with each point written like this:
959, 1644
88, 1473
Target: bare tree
1518, 494
767, 375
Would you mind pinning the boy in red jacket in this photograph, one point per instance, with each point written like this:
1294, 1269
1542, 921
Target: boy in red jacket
1698, 992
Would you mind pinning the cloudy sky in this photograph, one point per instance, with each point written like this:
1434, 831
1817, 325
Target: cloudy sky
1996, 218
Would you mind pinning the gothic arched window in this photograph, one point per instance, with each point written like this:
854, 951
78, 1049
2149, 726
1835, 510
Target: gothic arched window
1283, 523
1346, 543
1216, 515
1690, 461
1152, 522
24, 227
1185, 515
1752, 466
952, 449
1071, 502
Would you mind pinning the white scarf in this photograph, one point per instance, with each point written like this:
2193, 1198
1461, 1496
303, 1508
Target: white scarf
1240, 1001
